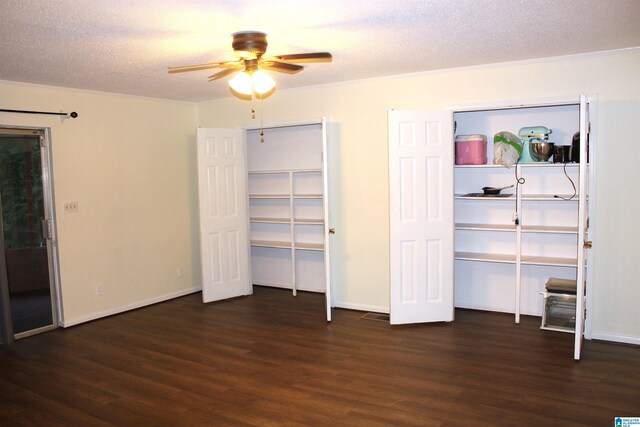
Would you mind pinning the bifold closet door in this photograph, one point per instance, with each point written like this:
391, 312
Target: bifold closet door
223, 214
583, 231
421, 216
328, 230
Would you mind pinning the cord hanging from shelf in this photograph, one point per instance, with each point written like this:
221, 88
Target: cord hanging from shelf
519, 181
575, 191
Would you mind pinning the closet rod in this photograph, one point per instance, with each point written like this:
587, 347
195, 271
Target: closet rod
72, 114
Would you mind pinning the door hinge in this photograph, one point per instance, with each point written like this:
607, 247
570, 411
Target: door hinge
588, 127
43, 142
587, 222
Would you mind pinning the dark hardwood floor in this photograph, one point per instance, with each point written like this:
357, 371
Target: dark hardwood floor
271, 359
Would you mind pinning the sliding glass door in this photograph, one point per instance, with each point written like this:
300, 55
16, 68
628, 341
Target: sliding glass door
26, 230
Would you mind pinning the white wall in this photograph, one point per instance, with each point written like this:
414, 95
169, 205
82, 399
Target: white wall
358, 134
130, 164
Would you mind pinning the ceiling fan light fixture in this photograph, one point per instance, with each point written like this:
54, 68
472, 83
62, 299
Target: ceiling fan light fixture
262, 82
242, 83
257, 81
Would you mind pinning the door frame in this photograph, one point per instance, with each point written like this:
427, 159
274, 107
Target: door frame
6, 331
592, 112
326, 183
46, 159
588, 123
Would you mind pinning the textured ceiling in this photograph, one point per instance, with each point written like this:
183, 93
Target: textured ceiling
124, 46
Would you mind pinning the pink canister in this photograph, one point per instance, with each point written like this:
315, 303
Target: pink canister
471, 149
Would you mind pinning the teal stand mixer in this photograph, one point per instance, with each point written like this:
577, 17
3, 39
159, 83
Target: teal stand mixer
530, 135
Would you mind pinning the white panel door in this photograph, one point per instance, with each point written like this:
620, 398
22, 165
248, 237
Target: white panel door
328, 231
421, 216
582, 227
224, 243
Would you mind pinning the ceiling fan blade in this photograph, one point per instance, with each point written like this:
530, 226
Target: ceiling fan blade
305, 57
224, 73
198, 67
281, 67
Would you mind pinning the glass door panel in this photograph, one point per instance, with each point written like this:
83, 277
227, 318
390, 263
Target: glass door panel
25, 245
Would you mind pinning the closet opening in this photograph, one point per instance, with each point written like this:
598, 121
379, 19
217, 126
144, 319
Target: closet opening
264, 214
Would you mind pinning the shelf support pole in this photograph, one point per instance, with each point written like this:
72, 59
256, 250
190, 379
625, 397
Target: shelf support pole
292, 228
518, 247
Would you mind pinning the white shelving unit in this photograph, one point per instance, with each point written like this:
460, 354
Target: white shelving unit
288, 223
502, 264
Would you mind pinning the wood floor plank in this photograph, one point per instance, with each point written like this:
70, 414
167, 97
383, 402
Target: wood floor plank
271, 359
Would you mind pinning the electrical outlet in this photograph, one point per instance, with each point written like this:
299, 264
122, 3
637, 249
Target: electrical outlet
98, 290
71, 207
180, 272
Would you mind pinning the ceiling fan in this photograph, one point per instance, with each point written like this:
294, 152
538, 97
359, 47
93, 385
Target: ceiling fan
249, 48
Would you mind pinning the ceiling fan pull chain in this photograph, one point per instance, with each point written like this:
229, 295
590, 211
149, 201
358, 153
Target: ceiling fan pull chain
253, 105
261, 119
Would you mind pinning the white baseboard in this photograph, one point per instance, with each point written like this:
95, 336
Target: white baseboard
94, 316
603, 336
361, 307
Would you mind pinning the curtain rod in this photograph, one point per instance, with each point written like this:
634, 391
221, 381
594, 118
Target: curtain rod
72, 114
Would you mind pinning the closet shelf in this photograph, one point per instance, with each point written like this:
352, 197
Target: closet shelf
549, 165
549, 229
306, 221
269, 196
285, 196
485, 227
550, 261
258, 172
512, 227
288, 245
480, 166
271, 220
549, 197
307, 196
309, 221
464, 196
524, 165
511, 259
486, 257
309, 246
525, 197
270, 244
